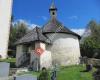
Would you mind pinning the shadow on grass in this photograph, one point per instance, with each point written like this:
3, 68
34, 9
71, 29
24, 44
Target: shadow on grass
85, 71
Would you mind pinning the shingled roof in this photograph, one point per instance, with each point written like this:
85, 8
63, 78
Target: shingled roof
52, 7
34, 35
54, 26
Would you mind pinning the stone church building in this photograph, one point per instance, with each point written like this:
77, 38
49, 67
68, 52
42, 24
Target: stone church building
49, 45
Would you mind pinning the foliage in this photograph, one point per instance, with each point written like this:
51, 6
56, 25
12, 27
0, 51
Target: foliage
21, 30
44, 75
18, 30
91, 44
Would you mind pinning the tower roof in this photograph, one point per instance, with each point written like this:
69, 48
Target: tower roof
34, 35
53, 10
52, 7
54, 26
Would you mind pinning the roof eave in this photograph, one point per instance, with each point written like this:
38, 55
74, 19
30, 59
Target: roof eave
79, 37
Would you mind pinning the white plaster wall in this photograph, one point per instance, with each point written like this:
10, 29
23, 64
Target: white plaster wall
46, 60
43, 45
33, 56
34, 60
19, 52
65, 49
40, 45
5, 16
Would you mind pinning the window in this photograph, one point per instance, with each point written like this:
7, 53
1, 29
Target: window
53, 13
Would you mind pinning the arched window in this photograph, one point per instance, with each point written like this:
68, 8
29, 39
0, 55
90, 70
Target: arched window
53, 13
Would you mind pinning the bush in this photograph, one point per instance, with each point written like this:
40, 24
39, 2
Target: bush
44, 75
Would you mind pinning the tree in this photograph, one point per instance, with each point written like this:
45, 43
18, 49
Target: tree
91, 44
21, 29
18, 30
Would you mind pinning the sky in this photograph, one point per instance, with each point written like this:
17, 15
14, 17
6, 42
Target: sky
74, 14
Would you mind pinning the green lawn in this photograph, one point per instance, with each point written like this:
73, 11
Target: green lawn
9, 60
64, 73
72, 73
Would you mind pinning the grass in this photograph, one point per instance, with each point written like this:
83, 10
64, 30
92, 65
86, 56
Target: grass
65, 73
71, 73
9, 60
74, 73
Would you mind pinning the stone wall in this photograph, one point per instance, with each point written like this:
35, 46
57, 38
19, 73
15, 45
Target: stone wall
46, 60
65, 49
19, 53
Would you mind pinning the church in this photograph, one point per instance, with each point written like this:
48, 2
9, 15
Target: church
52, 44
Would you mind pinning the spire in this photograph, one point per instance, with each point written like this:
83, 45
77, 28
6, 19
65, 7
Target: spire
52, 5
53, 10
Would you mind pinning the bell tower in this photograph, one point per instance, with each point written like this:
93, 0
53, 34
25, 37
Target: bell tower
53, 10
